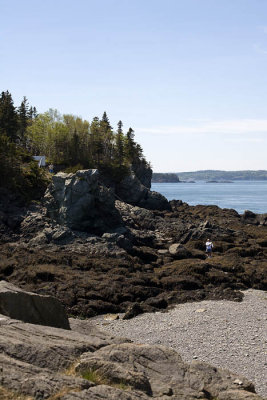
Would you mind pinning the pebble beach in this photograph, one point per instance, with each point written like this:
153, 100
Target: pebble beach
225, 334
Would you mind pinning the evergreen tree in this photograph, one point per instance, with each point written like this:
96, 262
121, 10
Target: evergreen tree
8, 116
97, 142
107, 138
119, 145
130, 146
23, 119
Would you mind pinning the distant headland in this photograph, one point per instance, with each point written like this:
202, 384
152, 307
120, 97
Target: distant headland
211, 175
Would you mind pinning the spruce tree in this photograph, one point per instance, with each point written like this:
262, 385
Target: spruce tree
130, 145
8, 116
119, 145
23, 119
107, 138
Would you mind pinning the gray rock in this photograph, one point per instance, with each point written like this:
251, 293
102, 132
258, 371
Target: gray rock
40, 383
158, 371
131, 190
155, 201
44, 362
178, 251
36, 360
80, 202
31, 307
104, 392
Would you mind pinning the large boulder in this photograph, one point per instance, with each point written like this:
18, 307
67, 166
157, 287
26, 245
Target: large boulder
178, 251
31, 307
132, 191
80, 202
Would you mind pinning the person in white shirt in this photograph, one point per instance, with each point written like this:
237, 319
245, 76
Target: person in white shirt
209, 247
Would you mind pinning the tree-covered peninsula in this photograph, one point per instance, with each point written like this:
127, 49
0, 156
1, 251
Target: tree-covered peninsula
67, 141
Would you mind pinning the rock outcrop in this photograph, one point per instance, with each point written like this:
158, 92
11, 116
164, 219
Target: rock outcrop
41, 362
31, 307
80, 202
131, 190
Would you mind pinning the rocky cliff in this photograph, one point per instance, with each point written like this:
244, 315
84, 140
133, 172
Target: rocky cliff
83, 202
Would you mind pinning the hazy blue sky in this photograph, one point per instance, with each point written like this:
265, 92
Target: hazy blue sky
189, 76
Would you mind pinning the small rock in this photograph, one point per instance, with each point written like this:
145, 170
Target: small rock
111, 317
238, 382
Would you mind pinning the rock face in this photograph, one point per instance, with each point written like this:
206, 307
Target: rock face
131, 190
30, 307
84, 363
144, 173
80, 202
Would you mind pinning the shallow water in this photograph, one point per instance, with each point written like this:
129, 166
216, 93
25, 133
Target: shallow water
239, 195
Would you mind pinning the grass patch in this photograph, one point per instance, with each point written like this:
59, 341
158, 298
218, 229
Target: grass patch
98, 379
94, 376
6, 394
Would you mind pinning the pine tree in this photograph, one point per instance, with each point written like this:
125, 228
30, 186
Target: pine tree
8, 116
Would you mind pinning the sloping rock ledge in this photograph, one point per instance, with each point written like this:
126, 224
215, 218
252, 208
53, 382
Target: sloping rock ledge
42, 362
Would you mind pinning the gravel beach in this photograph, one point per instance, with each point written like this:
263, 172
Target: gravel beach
225, 334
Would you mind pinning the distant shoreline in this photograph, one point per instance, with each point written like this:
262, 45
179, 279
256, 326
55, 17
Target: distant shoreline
210, 175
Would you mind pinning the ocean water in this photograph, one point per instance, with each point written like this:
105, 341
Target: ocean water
239, 195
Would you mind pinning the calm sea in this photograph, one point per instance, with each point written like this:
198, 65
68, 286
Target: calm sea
239, 195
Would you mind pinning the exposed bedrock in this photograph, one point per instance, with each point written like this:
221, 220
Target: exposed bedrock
41, 362
80, 202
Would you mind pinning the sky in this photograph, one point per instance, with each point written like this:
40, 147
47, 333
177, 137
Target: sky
189, 76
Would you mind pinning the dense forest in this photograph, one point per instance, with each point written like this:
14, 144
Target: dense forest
67, 141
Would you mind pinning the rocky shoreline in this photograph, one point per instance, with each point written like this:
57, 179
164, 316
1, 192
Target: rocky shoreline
155, 258
103, 248
46, 362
